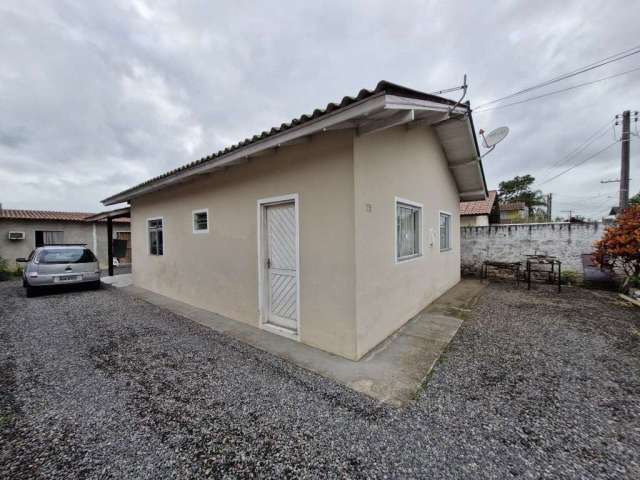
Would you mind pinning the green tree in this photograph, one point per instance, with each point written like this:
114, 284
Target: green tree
635, 200
518, 189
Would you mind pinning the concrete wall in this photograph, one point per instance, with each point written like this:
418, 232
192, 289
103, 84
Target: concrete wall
74, 232
513, 242
218, 271
409, 164
474, 220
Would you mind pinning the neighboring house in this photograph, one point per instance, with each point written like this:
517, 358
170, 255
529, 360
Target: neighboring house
481, 212
333, 229
516, 212
23, 230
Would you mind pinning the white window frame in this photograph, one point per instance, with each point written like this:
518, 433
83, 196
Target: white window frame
193, 220
164, 243
450, 247
420, 206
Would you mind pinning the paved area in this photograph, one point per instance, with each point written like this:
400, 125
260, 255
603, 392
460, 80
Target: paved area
97, 384
392, 372
119, 280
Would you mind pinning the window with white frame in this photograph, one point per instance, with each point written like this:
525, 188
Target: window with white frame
156, 241
201, 221
445, 231
408, 230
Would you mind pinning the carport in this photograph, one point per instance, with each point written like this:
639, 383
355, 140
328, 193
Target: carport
109, 216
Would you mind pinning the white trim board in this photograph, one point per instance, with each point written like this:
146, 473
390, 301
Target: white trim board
262, 284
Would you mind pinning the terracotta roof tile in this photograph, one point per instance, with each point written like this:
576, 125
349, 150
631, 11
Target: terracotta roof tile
50, 215
480, 207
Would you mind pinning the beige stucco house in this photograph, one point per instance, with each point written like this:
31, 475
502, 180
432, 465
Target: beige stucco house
23, 230
333, 229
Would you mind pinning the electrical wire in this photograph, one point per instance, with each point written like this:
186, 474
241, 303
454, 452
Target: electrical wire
584, 197
605, 61
577, 164
601, 131
573, 87
599, 208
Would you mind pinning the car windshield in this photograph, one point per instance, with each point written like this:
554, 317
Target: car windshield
66, 255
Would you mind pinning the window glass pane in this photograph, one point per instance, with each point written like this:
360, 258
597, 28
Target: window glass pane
66, 255
155, 237
408, 230
153, 246
200, 221
445, 231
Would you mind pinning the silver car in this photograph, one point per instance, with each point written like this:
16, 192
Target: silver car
60, 265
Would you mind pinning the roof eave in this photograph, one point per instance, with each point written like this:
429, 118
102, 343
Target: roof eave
342, 118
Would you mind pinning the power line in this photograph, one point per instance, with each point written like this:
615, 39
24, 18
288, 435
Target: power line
573, 87
605, 61
577, 164
580, 148
585, 197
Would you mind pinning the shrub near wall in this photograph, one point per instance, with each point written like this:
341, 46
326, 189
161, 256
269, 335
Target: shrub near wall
510, 243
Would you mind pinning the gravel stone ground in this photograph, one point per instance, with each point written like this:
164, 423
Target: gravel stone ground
97, 384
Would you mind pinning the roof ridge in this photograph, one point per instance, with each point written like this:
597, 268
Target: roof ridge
381, 86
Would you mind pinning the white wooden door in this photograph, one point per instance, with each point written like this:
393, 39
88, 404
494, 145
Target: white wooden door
281, 266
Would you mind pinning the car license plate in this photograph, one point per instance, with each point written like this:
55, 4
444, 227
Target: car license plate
67, 278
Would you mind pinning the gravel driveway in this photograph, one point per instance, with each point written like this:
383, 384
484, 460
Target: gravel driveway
96, 384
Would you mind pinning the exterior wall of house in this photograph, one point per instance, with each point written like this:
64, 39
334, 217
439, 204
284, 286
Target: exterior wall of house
514, 216
510, 243
409, 164
474, 220
218, 271
74, 232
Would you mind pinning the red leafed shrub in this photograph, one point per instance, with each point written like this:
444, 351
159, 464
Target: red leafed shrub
620, 246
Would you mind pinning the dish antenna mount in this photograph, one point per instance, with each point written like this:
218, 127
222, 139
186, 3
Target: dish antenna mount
494, 137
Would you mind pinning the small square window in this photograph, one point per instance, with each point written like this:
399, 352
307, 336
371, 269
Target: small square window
408, 230
445, 231
201, 221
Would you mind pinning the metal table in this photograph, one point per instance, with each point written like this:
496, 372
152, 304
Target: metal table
509, 266
544, 264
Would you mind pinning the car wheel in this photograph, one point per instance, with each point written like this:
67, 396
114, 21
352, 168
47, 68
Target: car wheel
31, 291
24, 283
95, 285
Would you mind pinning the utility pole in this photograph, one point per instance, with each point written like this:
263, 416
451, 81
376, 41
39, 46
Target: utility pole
549, 207
570, 212
624, 160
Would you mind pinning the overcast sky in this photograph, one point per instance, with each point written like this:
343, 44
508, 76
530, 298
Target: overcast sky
98, 96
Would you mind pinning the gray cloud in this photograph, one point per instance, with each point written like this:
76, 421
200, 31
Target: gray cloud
99, 96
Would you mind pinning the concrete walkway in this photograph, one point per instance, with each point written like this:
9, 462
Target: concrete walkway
392, 372
119, 281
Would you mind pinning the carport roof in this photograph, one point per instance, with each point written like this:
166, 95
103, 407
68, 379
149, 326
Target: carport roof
49, 215
385, 106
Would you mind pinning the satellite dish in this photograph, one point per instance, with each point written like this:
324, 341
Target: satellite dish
494, 137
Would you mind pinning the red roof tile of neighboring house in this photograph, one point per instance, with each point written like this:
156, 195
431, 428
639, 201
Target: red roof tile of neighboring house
50, 215
504, 207
480, 207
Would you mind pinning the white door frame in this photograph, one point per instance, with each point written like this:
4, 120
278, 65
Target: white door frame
263, 284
